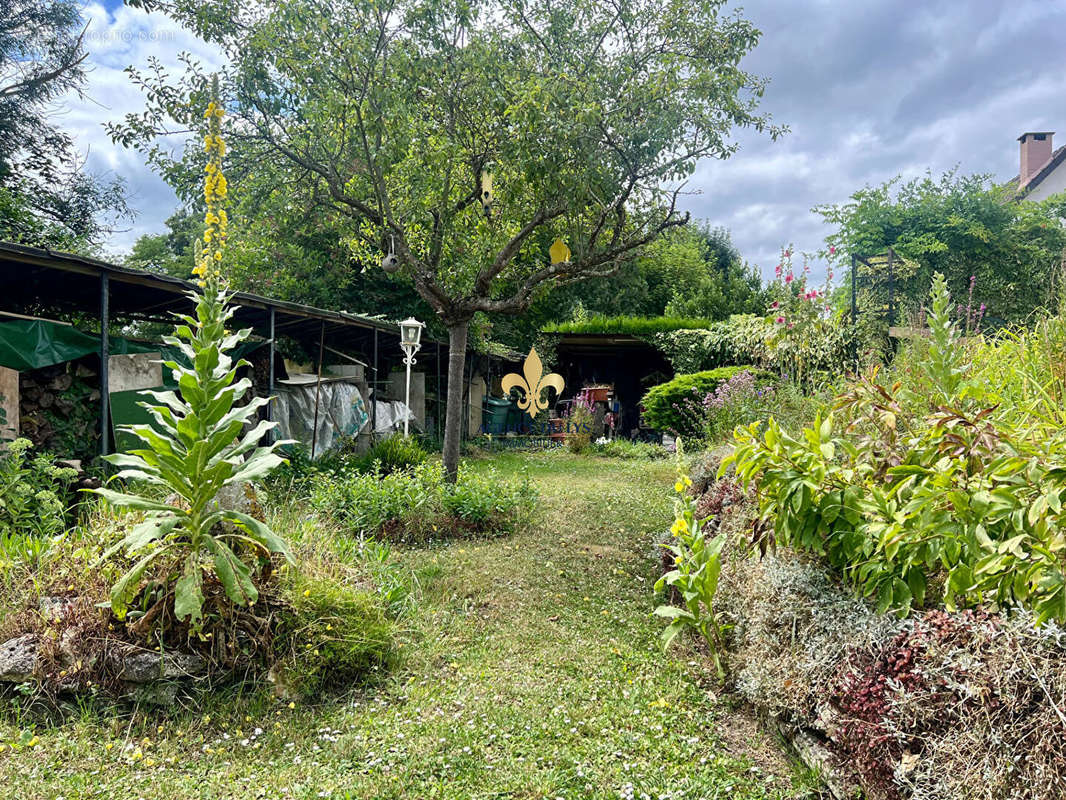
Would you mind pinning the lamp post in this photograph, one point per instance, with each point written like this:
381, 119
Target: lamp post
410, 338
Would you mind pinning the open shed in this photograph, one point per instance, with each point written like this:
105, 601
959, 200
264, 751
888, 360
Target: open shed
627, 363
99, 298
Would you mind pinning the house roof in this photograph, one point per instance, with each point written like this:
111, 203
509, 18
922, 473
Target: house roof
1014, 184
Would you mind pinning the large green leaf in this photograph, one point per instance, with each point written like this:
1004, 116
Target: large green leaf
126, 588
260, 532
233, 573
123, 500
188, 592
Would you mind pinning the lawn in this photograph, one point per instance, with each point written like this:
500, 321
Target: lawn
531, 669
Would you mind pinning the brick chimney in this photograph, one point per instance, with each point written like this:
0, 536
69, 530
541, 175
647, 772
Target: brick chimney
1036, 152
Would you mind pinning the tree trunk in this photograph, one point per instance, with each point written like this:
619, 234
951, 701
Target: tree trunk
453, 420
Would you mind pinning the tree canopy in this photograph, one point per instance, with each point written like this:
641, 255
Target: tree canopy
963, 226
465, 136
46, 198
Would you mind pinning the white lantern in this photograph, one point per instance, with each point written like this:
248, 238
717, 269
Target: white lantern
411, 333
410, 342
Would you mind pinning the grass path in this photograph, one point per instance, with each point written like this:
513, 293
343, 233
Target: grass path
533, 671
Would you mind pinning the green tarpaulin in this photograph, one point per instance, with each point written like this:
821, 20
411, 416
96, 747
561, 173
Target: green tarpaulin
27, 344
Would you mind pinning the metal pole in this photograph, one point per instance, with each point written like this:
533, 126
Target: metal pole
407, 394
374, 392
891, 297
854, 313
439, 395
270, 377
318, 387
105, 355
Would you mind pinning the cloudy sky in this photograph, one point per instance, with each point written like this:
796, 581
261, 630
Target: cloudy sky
869, 89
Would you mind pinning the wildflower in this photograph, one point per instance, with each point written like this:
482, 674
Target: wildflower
779, 320
789, 278
775, 304
832, 252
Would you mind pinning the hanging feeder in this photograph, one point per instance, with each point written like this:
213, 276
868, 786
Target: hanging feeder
391, 262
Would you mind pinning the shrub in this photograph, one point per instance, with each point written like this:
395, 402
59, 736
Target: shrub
392, 455
627, 450
945, 486
417, 503
579, 423
33, 491
677, 405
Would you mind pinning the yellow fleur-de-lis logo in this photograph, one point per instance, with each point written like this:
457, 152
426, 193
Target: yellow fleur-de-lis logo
533, 384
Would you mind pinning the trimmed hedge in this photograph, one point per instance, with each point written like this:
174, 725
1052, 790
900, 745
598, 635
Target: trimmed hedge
664, 405
633, 326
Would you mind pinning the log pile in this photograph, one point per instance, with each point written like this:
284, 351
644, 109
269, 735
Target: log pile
59, 409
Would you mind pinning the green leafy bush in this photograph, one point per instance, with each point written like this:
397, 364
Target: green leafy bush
750, 339
579, 424
677, 405
946, 485
392, 454
418, 503
32, 492
629, 451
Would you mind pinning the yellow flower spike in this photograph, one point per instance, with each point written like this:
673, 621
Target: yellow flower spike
679, 487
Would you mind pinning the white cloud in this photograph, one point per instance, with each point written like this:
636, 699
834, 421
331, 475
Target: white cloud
116, 39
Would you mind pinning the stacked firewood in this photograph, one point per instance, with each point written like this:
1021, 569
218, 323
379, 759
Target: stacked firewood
59, 409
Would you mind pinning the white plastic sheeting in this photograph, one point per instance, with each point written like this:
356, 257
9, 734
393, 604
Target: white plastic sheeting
342, 413
390, 416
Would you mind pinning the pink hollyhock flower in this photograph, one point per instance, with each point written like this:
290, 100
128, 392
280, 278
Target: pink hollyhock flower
832, 250
830, 275
777, 270
774, 304
789, 278
983, 307
779, 320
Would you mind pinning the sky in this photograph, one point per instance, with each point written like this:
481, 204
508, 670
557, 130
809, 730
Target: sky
869, 89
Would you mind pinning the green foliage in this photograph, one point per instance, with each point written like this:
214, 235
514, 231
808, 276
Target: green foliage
45, 199
959, 226
629, 451
665, 405
418, 503
392, 455
946, 485
195, 447
633, 326
697, 567
750, 339
330, 636
32, 494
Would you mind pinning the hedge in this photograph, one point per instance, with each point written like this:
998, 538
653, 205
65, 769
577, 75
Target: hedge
663, 404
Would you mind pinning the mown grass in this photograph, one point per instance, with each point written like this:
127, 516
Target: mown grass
532, 670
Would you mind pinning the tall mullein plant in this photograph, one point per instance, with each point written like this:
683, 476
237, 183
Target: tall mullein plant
195, 445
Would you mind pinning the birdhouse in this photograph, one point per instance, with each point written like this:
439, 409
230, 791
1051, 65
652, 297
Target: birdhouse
559, 252
486, 190
390, 263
